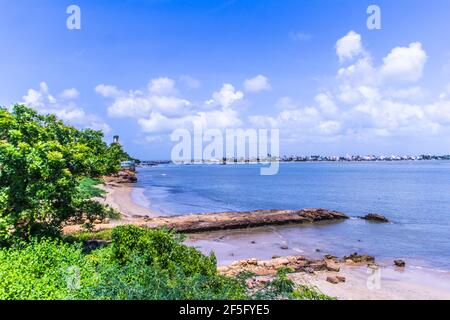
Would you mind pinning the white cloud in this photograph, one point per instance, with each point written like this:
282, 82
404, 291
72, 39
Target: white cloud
217, 119
349, 46
156, 113
286, 103
159, 97
404, 63
227, 96
162, 86
108, 91
366, 102
257, 84
64, 108
326, 104
70, 94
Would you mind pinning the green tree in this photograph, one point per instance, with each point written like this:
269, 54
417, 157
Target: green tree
42, 161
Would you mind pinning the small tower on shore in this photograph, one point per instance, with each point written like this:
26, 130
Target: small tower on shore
116, 140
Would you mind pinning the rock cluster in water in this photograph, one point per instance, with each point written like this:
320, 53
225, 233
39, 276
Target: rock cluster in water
375, 217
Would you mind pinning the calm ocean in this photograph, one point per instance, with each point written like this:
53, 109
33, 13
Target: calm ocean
415, 196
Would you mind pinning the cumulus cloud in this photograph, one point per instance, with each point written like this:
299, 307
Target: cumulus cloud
159, 97
64, 107
70, 94
404, 63
257, 84
366, 101
349, 46
286, 103
227, 96
162, 86
159, 110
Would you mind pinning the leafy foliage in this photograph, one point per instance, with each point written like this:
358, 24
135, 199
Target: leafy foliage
160, 248
44, 269
42, 162
41, 270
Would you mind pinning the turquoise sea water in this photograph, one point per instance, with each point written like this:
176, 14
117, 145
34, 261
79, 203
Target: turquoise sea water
415, 196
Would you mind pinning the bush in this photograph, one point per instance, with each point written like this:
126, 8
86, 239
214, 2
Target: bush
160, 248
55, 270
51, 269
136, 280
45, 269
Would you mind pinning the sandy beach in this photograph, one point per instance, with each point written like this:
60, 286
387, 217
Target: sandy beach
120, 198
390, 283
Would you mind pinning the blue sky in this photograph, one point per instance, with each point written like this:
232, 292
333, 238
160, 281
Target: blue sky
313, 69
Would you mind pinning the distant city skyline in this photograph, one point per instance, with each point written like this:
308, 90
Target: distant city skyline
312, 69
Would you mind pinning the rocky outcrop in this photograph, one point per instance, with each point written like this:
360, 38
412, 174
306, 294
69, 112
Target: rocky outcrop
295, 263
270, 267
241, 220
335, 279
375, 217
359, 258
121, 177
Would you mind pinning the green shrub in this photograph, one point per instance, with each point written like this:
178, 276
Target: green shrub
136, 280
44, 269
140, 264
161, 248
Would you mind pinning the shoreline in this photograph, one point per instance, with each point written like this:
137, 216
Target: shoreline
119, 197
407, 283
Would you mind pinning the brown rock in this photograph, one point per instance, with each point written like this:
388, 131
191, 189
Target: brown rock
333, 280
375, 217
358, 258
334, 267
319, 265
341, 278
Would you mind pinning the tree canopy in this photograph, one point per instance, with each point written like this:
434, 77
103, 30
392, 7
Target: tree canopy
42, 161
